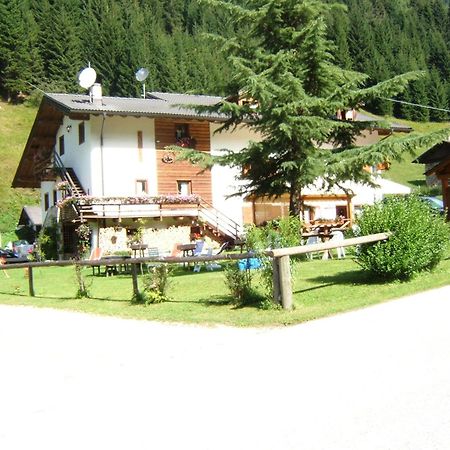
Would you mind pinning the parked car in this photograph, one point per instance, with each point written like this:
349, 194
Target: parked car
435, 203
22, 247
8, 256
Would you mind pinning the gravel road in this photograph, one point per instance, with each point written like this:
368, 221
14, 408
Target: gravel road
373, 379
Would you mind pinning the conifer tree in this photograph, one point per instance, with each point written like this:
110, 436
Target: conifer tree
289, 91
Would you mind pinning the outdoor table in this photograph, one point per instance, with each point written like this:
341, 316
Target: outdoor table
113, 268
188, 250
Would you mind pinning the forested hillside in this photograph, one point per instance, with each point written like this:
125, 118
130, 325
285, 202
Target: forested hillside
46, 42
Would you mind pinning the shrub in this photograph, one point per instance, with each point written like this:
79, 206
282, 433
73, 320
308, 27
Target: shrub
156, 285
419, 241
47, 242
239, 283
283, 232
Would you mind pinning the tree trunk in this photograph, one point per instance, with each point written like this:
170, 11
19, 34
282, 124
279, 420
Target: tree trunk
295, 200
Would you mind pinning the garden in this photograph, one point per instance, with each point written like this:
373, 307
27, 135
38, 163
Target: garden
415, 258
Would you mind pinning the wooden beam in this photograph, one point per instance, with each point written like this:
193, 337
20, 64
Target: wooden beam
79, 116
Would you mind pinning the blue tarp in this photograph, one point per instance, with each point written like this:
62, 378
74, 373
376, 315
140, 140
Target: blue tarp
249, 263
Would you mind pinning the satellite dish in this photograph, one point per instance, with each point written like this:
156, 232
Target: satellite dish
142, 74
87, 77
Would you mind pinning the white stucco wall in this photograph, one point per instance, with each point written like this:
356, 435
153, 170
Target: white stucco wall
224, 181
120, 155
77, 156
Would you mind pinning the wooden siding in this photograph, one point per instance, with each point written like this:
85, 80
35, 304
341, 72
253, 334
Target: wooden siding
169, 173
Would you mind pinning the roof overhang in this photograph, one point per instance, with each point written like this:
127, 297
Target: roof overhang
36, 156
435, 154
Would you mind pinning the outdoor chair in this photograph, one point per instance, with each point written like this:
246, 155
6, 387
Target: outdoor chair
311, 241
199, 245
152, 252
96, 254
338, 236
212, 265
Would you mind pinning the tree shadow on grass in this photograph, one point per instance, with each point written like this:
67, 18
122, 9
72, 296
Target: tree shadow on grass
220, 301
355, 277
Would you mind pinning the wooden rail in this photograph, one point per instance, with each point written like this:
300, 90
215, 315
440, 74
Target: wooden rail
282, 287
117, 261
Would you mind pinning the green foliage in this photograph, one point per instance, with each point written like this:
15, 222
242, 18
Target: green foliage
239, 283
156, 285
420, 238
83, 239
283, 232
83, 290
48, 242
290, 89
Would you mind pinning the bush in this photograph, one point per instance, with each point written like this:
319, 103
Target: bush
239, 283
156, 285
419, 241
283, 232
48, 242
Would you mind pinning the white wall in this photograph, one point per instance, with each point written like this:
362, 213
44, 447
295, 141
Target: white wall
120, 155
76, 156
224, 180
47, 187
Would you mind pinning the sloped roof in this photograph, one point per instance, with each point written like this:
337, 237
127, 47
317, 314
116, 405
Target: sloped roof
156, 105
185, 99
362, 117
32, 213
435, 154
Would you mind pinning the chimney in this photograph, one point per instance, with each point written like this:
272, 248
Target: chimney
96, 92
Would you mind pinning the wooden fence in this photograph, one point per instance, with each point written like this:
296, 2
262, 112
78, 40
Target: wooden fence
282, 287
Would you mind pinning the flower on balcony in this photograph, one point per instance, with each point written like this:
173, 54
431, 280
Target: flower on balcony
165, 199
186, 142
62, 185
69, 200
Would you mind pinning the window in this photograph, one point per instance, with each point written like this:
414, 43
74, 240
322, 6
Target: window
181, 131
61, 145
140, 144
141, 187
55, 197
184, 187
46, 201
81, 133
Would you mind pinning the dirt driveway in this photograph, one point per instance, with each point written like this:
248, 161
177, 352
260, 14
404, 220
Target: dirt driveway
376, 379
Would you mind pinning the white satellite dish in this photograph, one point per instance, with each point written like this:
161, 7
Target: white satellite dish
142, 74
87, 77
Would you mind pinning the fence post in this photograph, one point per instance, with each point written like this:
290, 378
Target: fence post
30, 282
276, 280
135, 280
284, 268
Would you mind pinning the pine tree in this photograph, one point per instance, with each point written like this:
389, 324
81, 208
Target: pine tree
437, 97
290, 91
20, 61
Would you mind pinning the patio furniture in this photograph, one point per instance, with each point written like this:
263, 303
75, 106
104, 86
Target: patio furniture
338, 236
96, 254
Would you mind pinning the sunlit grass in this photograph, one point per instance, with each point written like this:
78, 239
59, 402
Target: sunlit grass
321, 288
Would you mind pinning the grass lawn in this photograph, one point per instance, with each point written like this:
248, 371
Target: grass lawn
321, 288
15, 124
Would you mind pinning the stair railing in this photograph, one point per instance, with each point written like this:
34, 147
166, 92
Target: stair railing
65, 176
221, 223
